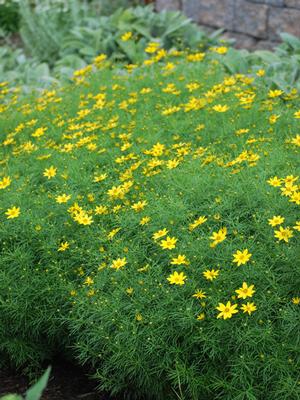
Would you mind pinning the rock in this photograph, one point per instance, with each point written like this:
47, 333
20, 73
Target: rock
283, 20
251, 18
167, 5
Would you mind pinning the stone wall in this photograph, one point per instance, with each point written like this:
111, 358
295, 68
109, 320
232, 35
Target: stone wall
253, 23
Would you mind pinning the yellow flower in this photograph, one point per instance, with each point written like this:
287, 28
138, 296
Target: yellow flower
145, 220
179, 260
296, 300
218, 237
276, 220
177, 278
62, 198
261, 72
5, 182
220, 50
118, 263
199, 294
139, 206
63, 246
126, 36
169, 243
226, 310
88, 281
296, 140
99, 178
50, 172
297, 226
197, 222
275, 181
13, 212
161, 233
297, 114
201, 317
220, 108
248, 308
241, 257
275, 93
283, 234
245, 291
211, 274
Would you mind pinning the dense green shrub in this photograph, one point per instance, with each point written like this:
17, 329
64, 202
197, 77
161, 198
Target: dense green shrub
118, 162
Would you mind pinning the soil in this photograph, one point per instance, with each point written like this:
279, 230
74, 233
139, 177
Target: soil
67, 382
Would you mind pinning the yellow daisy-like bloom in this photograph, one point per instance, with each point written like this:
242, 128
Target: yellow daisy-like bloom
169, 243
226, 310
296, 300
218, 237
197, 222
88, 281
63, 246
118, 263
177, 278
283, 234
275, 93
297, 226
220, 108
62, 198
200, 294
241, 257
126, 36
179, 260
159, 234
276, 220
50, 172
211, 274
297, 114
275, 181
139, 206
248, 308
5, 182
13, 212
245, 291
201, 317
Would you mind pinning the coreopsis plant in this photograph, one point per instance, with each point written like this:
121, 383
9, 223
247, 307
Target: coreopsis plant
149, 228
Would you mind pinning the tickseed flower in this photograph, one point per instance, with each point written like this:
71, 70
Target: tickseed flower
63, 246
276, 220
218, 237
197, 222
283, 234
261, 72
241, 257
275, 93
297, 226
13, 212
5, 182
179, 260
139, 206
248, 308
118, 263
169, 243
297, 114
62, 198
201, 317
177, 278
226, 310
245, 291
145, 220
88, 281
211, 274
159, 234
50, 172
275, 181
296, 300
296, 140
200, 294
99, 178
126, 36
220, 108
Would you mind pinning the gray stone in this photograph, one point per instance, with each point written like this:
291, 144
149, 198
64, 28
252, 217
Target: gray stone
241, 41
167, 5
251, 18
214, 13
277, 3
283, 20
292, 3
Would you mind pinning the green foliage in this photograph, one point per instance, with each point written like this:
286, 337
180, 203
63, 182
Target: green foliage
9, 17
35, 392
154, 134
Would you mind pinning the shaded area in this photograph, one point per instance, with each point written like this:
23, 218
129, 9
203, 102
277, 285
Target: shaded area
67, 382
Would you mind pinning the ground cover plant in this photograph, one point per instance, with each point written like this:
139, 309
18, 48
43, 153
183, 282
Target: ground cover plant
149, 228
